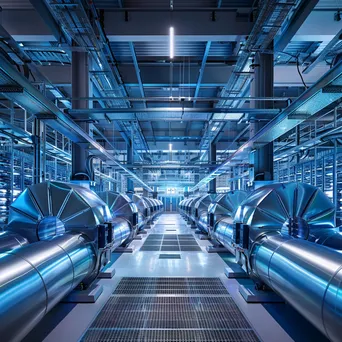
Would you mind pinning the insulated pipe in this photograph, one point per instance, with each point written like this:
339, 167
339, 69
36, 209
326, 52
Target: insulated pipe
10, 241
308, 276
34, 278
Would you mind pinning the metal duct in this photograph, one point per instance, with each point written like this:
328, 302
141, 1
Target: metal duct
306, 275
121, 231
34, 278
10, 241
296, 209
222, 211
51, 208
120, 205
200, 214
143, 208
151, 206
191, 208
277, 232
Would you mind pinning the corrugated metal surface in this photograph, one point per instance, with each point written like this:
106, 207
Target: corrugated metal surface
297, 48
221, 49
157, 49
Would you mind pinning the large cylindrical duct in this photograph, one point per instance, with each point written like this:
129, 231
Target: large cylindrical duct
308, 276
144, 210
277, 231
10, 241
296, 209
221, 215
48, 209
34, 278
120, 205
201, 211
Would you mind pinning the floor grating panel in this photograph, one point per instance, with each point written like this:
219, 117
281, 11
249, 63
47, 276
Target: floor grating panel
170, 243
188, 318
169, 256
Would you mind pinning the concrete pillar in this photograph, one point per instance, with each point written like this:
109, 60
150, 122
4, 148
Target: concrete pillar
80, 88
130, 184
262, 86
212, 161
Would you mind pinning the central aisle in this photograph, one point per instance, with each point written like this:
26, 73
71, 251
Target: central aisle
187, 298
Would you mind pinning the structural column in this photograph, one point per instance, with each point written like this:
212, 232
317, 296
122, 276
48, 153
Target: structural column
262, 86
212, 161
80, 88
38, 140
155, 192
130, 184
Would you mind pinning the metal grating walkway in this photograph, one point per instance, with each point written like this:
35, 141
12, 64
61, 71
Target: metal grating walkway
170, 243
170, 310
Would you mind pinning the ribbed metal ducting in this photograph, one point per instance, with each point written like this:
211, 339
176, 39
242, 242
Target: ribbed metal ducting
51, 208
296, 208
144, 211
152, 206
120, 205
201, 211
222, 211
191, 208
277, 230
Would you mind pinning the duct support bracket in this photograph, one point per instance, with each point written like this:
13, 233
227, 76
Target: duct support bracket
251, 295
89, 295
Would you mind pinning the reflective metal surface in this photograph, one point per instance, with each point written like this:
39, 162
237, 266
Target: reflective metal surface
200, 214
300, 210
308, 276
9, 241
286, 223
120, 205
50, 208
143, 208
34, 278
225, 205
121, 231
151, 206
221, 215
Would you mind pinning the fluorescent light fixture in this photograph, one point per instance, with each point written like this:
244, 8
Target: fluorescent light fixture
170, 147
172, 42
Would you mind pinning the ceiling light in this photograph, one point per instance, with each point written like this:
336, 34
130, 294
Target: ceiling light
170, 147
172, 42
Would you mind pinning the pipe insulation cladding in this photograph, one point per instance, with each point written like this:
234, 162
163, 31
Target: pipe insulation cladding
34, 278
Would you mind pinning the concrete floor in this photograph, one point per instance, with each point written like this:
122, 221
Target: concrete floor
77, 318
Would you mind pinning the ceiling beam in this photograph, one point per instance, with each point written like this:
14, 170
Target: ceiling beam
293, 24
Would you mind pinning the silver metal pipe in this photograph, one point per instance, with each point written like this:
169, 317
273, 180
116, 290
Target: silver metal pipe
10, 241
34, 278
308, 276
